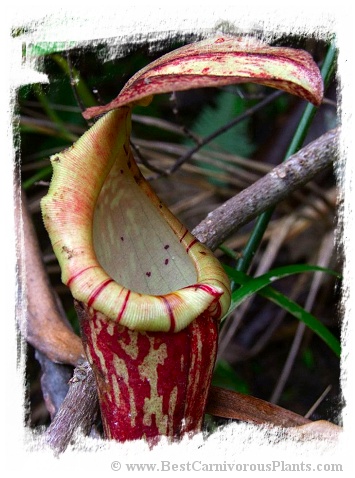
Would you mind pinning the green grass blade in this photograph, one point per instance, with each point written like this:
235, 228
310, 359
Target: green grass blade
249, 286
301, 314
261, 285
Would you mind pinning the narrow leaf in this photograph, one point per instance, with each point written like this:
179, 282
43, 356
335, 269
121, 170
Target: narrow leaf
301, 314
250, 286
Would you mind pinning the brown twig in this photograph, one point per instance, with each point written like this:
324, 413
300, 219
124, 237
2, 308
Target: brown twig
145, 162
269, 190
78, 410
54, 382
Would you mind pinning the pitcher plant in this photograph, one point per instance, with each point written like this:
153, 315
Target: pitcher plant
149, 296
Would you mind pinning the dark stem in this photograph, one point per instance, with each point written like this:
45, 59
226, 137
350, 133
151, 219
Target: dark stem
73, 82
223, 129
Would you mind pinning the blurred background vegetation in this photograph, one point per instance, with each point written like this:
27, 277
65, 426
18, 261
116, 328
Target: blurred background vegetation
259, 338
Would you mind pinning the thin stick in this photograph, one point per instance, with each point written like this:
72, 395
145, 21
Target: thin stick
224, 128
73, 83
318, 402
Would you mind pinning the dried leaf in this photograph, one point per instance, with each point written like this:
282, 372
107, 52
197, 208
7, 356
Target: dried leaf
229, 404
44, 327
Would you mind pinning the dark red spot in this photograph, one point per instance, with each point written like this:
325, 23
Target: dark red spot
219, 40
148, 274
166, 262
203, 253
129, 164
125, 149
122, 238
121, 171
205, 70
167, 246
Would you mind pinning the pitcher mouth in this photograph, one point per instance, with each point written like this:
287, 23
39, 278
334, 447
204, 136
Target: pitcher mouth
121, 250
